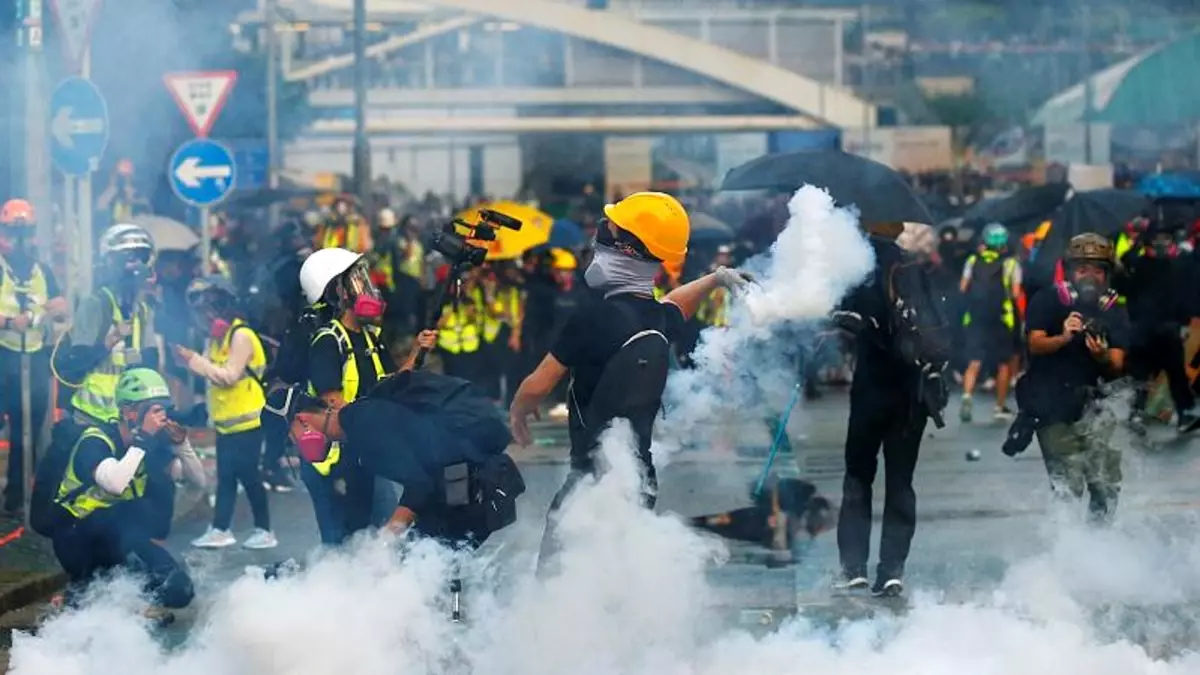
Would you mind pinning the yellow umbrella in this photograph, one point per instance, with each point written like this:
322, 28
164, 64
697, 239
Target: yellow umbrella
510, 244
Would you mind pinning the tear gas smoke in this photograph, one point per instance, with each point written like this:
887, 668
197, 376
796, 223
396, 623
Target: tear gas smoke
629, 601
746, 371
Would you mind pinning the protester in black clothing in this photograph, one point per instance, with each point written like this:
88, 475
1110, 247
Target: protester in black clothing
886, 411
1156, 285
644, 232
1077, 339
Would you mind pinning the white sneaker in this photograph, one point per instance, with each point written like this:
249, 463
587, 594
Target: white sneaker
261, 540
215, 538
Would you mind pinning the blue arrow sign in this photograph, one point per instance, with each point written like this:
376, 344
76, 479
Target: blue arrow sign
78, 126
202, 172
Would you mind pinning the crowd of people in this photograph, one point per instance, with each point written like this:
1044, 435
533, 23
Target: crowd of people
317, 349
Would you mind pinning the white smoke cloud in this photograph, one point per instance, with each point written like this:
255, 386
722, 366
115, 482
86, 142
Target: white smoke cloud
747, 370
628, 601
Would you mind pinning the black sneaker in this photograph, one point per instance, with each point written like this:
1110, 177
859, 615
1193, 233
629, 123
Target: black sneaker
278, 481
888, 588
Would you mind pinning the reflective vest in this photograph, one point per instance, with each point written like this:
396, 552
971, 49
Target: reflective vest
349, 235
1008, 271
413, 259
714, 311
82, 502
237, 408
97, 394
349, 377
35, 292
383, 271
505, 308
459, 330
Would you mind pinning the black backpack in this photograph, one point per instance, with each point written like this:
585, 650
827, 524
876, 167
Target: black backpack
46, 515
461, 405
290, 360
921, 328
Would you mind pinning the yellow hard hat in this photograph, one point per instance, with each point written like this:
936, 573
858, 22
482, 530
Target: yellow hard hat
562, 259
659, 222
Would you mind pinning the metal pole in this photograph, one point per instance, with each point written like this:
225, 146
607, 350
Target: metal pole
866, 82
1088, 88
85, 208
272, 44
362, 150
205, 241
37, 171
70, 231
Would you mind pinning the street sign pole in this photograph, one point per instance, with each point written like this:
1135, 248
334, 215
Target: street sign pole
205, 240
86, 210
202, 174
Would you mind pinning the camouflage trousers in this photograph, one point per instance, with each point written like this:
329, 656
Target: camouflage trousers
1081, 457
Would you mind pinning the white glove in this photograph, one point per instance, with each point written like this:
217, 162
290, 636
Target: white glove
731, 278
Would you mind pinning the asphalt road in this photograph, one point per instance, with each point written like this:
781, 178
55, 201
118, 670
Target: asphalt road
976, 517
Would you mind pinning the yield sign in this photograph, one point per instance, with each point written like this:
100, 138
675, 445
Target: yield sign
75, 21
201, 96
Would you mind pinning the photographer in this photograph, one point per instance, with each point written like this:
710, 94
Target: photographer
435, 435
113, 327
104, 517
1077, 336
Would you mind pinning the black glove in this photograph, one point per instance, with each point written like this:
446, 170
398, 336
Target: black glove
851, 322
934, 394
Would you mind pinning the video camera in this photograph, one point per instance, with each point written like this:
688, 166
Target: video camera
458, 248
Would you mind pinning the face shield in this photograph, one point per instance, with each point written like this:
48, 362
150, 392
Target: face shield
361, 293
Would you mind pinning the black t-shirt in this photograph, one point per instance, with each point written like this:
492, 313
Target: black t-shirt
598, 329
326, 362
1059, 383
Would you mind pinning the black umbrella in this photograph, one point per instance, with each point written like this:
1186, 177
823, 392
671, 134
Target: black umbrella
880, 194
1031, 204
1105, 212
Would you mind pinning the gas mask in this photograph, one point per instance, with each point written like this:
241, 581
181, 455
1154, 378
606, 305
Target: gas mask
313, 445
217, 328
1089, 291
367, 303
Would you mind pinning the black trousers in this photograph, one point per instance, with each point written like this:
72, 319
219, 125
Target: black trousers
887, 419
583, 464
39, 393
1160, 350
237, 462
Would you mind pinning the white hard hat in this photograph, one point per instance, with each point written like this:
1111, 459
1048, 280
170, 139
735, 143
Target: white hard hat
387, 218
322, 267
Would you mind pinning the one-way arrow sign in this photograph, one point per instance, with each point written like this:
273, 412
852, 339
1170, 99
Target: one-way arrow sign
202, 172
75, 21
191, 173
78, 126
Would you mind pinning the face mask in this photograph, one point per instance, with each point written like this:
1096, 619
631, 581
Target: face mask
614, 273
313, 446
216, 330
1089, 291
367, 307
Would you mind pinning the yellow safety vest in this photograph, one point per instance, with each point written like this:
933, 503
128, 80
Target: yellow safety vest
348, 236
503, 309
36, 293
459, 332
714, 311
1124, 244
1008, 271
384, 267
239, 407
411, 265
349, 378
82, 502
97, 394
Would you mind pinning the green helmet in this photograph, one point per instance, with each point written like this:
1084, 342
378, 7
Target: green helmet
141, 385
995, 236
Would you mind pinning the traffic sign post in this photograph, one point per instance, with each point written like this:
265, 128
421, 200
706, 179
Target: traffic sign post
202, 174
78, 137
